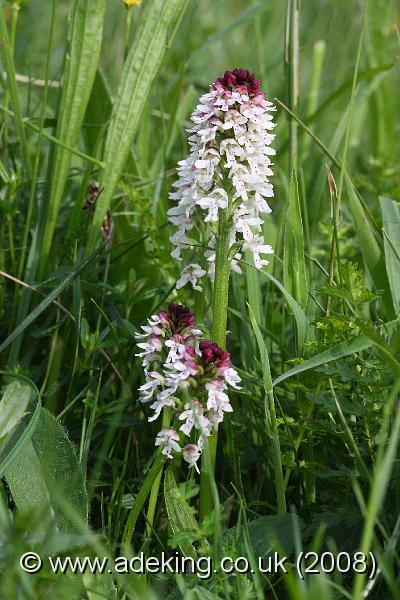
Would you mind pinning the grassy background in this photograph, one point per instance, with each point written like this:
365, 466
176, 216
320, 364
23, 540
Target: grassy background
325, 298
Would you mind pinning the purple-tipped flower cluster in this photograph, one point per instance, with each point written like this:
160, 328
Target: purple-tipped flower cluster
228, 167
189, 375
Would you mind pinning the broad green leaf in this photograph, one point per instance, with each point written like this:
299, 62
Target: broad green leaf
391, 228
80, 68
180, 517
142, 64
358, 344
45, 479
13, 405
24, 429
371, 250
97, 112
294, 269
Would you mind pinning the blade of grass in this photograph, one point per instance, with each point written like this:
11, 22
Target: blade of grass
294, 268
391, 227
50, 298
292, 68
140, 499
315, 84
56, 141
5, 49
371, 250
270, 415
141, 67
302, 325
384, 464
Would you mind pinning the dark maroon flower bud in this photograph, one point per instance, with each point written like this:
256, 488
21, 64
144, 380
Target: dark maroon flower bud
240, 78
213, 354
180, 316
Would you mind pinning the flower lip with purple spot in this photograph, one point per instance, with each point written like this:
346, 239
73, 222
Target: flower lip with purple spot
240, 79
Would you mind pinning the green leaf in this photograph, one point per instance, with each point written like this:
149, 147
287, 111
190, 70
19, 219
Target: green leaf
302, 324
294, 268
353, 289
24, 429
140, 499
270, 414
180, 516
391, 228
345, 349
13, 405
142, 64
80, 68
46, 480
97, 113
370, 248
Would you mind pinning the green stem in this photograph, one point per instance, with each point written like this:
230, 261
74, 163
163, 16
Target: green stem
293, 73
13, 29
128, 27
151, 509
11, 243
279, 483
12, 88
315, 85
220, 314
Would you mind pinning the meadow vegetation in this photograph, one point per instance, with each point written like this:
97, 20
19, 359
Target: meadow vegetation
95, 100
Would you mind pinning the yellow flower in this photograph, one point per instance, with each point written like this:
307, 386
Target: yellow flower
132, 2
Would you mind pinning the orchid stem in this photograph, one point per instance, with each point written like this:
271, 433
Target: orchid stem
220, 314
128, 28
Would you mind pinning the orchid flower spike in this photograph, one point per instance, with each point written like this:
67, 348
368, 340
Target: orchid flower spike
188, 375
228, 168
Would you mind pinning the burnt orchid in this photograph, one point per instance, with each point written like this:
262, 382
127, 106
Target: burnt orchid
225, 175
187, 375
